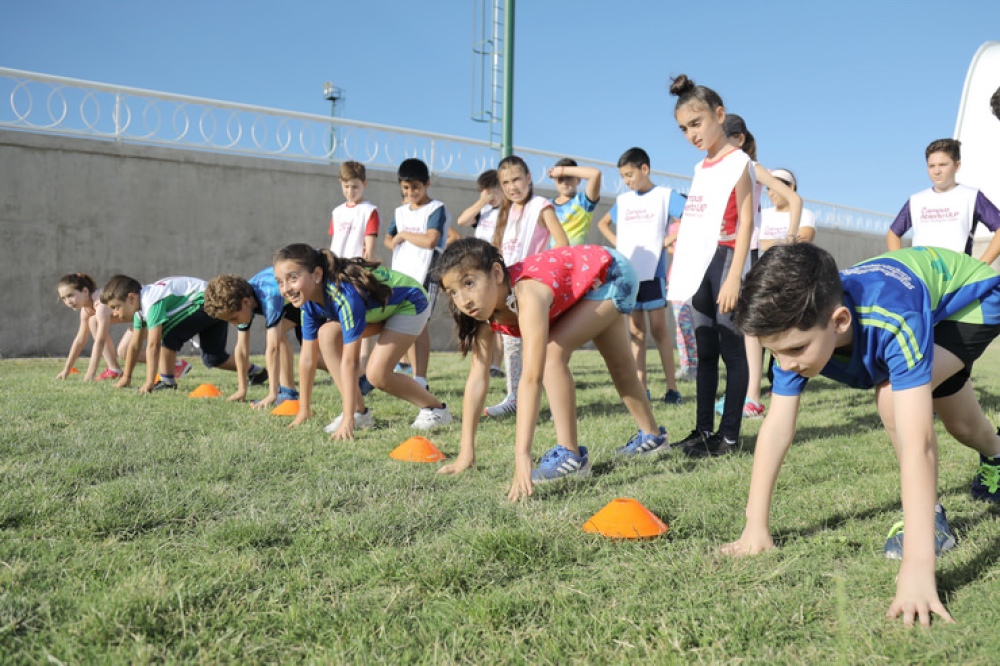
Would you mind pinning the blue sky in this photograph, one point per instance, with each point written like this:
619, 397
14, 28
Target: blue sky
846, 94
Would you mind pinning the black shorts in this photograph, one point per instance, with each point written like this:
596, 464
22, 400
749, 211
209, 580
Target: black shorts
294, 315
212, 334
967, 342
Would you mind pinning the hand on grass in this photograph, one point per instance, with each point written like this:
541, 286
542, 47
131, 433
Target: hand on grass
916, 599
751, 542
123, 382
345, 431
239, 396
522, 486
300, 418
146, 388
63, 374
267, 401
462, 463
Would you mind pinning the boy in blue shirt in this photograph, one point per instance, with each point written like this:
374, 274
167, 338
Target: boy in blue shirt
909, 324
235, 300
575, 209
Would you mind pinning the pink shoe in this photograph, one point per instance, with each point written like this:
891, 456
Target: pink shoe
109, 374
753, 410
181, 368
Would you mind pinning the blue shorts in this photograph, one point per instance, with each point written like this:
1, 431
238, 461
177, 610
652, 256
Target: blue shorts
620, 284
652, 294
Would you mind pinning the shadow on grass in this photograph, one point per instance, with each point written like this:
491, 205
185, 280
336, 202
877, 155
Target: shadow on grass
950, 580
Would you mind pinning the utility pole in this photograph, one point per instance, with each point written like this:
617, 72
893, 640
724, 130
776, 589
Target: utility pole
332, 94
507, 137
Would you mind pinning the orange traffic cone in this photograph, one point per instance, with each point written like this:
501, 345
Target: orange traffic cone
74, 371
625, 518
286, 408
417, 449
205, 391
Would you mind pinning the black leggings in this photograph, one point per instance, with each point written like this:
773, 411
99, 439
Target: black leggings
717, 336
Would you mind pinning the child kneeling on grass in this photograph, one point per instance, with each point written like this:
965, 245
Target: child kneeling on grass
555, 301
909, 324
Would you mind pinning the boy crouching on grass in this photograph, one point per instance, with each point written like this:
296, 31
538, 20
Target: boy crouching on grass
169, 312
235, 300
909, 324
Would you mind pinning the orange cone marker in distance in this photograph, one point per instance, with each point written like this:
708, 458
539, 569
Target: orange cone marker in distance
74, 371
625, 518
286, 408
417, 449
205, 391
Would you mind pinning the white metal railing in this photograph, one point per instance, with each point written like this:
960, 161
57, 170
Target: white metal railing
58, 105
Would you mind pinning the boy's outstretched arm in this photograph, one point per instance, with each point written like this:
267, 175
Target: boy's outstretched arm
131, 357
775, 436
154, 345
241, 354
272, 361
477, 386
916, 588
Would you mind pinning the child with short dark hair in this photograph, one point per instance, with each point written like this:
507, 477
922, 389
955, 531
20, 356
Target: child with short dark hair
483, 213
946, 214
168, 312
575, 209
235, 301
909, 324
418, 233
642, 219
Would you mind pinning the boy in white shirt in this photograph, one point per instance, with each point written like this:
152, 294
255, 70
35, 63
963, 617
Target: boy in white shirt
416, 236
641, 217
946, 214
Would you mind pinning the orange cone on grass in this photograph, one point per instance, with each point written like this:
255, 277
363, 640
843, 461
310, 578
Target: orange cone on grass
286, 408
205, 391
625, 518
417, 449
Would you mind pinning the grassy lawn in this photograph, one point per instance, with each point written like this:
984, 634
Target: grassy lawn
159, 528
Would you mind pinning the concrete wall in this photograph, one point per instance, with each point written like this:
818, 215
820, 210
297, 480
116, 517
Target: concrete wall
79, 205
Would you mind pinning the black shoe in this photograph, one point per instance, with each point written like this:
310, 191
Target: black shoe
259, 378
711, 446
695, 438
163, 386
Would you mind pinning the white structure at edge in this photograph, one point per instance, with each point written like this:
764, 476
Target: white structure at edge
978, 129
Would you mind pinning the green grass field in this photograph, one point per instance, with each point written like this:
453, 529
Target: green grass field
163, 529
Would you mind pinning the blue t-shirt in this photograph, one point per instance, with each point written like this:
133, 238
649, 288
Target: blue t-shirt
270, 302
344, 303
896, 300
575, 215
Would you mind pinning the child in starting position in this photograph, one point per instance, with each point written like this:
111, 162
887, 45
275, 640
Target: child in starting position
909, 324
78, 291
555, 301
235, 301
342, 301
168, 312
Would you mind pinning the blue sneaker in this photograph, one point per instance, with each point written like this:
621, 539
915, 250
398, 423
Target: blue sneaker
560, 462
644, 443
403, 368
364, 385
986, 485
944, 538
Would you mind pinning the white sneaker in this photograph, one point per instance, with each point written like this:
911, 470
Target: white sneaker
506, 407
362, 421
431, 417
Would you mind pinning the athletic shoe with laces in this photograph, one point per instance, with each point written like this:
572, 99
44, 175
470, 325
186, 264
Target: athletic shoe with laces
645, 443
403, 368
944, 538
559, 463
432, 417
181, 368
364, 385
109, 374
694, 437
986, 484
362, 421
258, 378
753, 410
505, 407
673, 397
711, 446
163, 386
